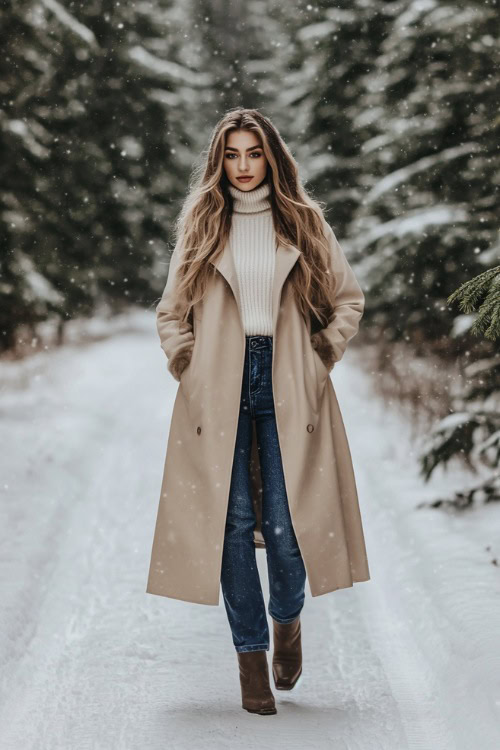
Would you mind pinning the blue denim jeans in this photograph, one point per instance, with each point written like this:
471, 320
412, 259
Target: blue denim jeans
241, 588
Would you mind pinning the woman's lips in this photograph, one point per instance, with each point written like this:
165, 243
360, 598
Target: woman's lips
245, 179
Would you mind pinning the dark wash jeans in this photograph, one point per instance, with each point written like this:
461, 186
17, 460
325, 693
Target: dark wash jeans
241, 588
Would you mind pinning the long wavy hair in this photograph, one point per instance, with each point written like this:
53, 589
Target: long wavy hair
204, 221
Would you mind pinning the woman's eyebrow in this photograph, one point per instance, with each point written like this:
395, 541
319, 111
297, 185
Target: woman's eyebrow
230, 148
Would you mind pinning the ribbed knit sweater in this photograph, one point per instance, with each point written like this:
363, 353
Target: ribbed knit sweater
252, 242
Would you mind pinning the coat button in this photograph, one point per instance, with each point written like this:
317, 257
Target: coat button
310, 427
198, 430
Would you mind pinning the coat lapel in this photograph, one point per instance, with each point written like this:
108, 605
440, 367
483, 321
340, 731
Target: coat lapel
286, 256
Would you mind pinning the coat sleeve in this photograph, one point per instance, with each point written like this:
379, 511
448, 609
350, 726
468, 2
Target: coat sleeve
349, 303
176, 338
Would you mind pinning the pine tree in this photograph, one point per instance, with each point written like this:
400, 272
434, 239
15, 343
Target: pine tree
95, 124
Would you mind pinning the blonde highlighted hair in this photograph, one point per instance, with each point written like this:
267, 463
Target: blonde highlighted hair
204, 221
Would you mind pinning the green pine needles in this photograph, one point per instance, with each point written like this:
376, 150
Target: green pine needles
485, 287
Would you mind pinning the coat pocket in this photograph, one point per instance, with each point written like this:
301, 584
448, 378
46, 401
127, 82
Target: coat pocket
321, 369
321, 377
179, 363
323, 350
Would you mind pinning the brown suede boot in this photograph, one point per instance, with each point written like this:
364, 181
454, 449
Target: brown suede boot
256, 693
287, 655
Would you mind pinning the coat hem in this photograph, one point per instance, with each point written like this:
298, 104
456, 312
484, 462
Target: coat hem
181, 598
342, 586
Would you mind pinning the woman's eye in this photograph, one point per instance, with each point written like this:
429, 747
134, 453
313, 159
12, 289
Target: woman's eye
254, 153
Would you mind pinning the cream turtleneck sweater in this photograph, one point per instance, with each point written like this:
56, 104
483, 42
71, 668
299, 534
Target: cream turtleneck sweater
252, 242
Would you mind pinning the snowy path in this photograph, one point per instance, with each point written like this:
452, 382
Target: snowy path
410, 659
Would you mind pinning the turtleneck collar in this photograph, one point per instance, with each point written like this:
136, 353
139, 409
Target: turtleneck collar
251, 201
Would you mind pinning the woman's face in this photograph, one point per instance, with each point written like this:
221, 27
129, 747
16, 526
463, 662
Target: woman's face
244, 157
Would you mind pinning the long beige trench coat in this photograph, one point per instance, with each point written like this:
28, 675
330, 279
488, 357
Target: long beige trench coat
208, 357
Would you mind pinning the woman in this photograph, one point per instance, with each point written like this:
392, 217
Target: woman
259, 305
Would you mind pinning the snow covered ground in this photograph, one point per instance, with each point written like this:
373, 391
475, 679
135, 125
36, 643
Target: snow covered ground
409, 659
